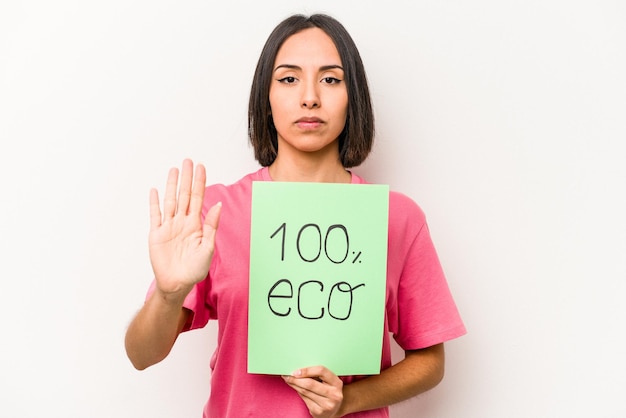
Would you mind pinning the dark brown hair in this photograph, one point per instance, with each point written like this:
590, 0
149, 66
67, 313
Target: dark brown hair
355, 141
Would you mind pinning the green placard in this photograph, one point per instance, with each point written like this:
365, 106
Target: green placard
318, 265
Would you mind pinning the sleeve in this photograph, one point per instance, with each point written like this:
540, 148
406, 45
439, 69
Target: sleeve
426, 312
195, 302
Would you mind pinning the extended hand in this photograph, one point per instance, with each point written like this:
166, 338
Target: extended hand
181, 246
320, 389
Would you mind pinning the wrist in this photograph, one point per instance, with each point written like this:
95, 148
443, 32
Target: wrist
344, 408
175, 298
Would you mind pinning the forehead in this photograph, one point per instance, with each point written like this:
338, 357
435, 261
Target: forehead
310, 46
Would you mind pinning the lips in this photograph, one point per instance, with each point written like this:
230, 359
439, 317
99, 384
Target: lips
309, 123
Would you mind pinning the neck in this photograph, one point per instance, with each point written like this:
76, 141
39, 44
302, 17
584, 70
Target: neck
284, 169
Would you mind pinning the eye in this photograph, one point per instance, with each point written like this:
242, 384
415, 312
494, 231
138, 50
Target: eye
331, 80
287, 80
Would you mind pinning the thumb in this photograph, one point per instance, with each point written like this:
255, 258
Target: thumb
211, 221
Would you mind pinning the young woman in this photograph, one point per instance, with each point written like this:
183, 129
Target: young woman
310, 118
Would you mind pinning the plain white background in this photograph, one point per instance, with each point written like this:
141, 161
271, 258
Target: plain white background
504, 120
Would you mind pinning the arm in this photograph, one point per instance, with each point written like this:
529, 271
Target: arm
181, 248
419, 371
153, 332
325, 396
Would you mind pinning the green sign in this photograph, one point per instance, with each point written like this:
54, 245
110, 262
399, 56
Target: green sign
318, 266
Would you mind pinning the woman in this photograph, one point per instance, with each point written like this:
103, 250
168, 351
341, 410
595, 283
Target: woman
310, 119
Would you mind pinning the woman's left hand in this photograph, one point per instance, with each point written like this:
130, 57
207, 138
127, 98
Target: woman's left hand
320, 389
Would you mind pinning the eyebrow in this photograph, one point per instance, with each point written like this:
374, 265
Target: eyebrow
296, 67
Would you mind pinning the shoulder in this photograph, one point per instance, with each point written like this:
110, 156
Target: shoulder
243, 185
402, 203
233, 194
405, 213
398, 202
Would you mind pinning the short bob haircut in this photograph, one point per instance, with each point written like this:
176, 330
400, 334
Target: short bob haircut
355, 141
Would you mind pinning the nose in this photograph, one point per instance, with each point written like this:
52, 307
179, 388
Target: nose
310, 95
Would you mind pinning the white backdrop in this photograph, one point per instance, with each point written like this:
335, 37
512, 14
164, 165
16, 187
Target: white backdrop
504, 120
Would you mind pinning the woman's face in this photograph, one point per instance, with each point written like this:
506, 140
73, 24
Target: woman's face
308, 95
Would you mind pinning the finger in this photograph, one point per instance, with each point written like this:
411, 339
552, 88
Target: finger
306, 387
320, 373
169, 202
303, 387
309, 387
212, 218
211, 221
197, 192
318, 396
184, 192
155, 210
315, 381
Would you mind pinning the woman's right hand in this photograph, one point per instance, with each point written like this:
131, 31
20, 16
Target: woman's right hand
181, 245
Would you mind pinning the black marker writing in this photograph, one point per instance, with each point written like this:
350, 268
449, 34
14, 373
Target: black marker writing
339, 302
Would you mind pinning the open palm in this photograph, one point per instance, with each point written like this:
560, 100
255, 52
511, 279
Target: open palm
180, 244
